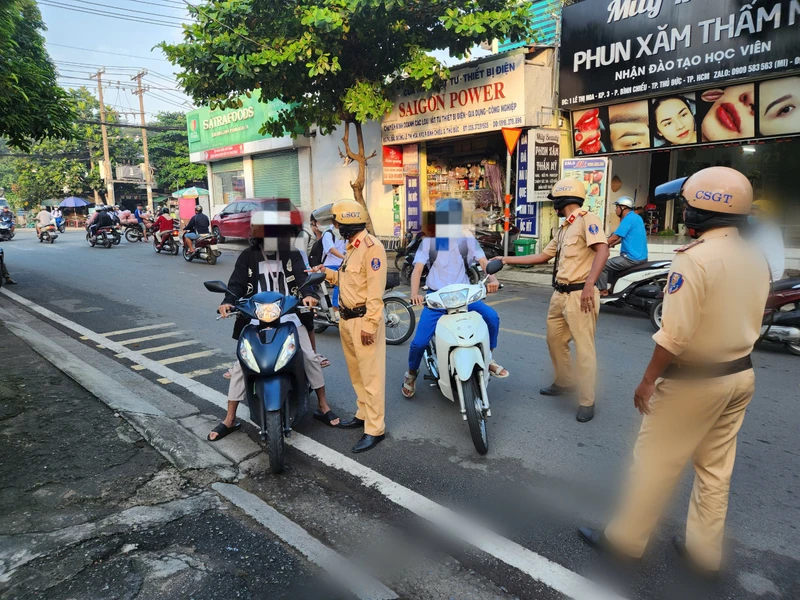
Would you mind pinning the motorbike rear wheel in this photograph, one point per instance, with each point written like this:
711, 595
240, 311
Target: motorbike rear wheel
405, 274
474, 277
106, 242
319, 326
155, 245
275, 446
187, 256
211, 258
132, 236
116, 238
175, 249
400, 320
399, 260
794, 349
475, 417
656, 310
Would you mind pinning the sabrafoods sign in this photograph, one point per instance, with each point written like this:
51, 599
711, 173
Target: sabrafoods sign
235, 116
618, 50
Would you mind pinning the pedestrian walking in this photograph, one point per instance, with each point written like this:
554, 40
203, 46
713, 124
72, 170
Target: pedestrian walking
700, 379
362, 281
580, 250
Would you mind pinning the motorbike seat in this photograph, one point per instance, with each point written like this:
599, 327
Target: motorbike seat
392, 280
786, 284
654, 265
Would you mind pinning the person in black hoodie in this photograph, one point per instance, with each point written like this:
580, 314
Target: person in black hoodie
272, 263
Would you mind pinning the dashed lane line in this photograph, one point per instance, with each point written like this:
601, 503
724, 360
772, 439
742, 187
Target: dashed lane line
170, 361
167, 347
466, 529
150, 338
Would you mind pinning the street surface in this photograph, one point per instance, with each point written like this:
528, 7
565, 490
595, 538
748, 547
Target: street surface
544, 475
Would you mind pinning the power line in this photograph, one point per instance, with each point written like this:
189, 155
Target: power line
126, 125
106, 52
127, 10
109, 15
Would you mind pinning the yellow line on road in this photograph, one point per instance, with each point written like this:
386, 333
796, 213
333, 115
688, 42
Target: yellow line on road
138, 329
164, 348
504, 300
202, 372
178, 359
150, 338
164, 381
536, 335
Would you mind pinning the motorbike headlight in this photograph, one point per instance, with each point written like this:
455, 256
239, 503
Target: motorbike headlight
287, 352
246, 354
267, 313
454, 299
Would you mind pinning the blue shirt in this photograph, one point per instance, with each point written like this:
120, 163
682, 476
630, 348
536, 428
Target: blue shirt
634, 237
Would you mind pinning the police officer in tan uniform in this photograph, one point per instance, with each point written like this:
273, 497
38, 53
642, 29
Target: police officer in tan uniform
700, 379
362, 282
581, 251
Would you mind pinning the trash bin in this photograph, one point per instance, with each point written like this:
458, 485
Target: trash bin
525, 247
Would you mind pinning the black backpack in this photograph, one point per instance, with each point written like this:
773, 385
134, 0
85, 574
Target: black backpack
315, 254
462, 247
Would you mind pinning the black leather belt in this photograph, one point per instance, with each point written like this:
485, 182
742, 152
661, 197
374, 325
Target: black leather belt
352, 313
708, 371
566, 288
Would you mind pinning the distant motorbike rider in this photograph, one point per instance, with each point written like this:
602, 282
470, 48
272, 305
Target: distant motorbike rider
197, 226
164, 226
43, 219
633, 237
6, 216
100, 219
272, 263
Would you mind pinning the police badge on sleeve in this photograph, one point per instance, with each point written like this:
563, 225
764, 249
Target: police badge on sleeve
675, 283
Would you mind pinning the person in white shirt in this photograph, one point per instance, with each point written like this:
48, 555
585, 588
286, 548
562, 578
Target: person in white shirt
448, 256
767, 236
333, 249
43, 219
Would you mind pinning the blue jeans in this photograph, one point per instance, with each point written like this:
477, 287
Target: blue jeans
192, 236
335, 294
426, 329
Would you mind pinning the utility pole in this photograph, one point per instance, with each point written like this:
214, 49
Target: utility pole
148, 183
109, 175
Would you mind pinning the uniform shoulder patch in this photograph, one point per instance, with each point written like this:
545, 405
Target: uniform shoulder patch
583, 213
356, 244
675, 283
376, 264
370, 241
689, 246
593, 229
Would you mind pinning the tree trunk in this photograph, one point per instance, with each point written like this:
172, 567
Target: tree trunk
360, 157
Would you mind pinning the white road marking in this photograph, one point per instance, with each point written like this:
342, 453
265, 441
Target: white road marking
359, 583
150, 338
185, 357
463, 528
203, 372
167, 347
138, 329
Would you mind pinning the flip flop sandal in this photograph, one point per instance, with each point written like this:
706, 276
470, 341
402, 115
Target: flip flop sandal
323, 361
409, 385
223, 430
496, 372
228, 374
326, 418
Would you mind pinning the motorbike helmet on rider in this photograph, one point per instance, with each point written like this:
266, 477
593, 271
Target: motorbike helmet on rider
565, 192
350, 217
625, 202
715, 197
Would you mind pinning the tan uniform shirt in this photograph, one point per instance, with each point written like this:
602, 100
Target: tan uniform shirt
362, 278
715, 298
574, 240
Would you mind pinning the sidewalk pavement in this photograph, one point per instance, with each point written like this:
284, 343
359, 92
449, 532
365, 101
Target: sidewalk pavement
88, 510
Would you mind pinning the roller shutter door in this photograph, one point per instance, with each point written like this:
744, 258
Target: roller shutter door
224, 166
277, 175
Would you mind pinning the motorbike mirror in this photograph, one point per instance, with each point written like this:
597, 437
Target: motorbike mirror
314, 279
494, 266
216, 287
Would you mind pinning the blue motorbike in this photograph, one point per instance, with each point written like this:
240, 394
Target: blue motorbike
277, 390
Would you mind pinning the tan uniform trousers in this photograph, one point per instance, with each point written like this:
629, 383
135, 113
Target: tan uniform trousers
688, 419
367, 367
566, 321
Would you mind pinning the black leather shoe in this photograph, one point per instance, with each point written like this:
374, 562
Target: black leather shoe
594, 537
10, 281
585, 414
680, 549
368, 442
354, 423
556, 390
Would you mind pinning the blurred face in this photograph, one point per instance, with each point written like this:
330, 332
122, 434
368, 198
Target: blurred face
629, 126
732, 114
779, 101
675, 122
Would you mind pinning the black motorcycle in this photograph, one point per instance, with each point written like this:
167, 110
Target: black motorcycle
104, 236
272, 362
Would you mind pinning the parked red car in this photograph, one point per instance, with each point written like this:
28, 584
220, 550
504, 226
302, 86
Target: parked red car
234, 220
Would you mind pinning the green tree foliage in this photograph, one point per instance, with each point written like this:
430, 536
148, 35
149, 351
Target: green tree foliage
32, 105
333, 61
169, 154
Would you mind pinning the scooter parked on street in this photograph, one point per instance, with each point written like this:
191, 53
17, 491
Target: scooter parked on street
205, 248
458, 356
47, 234
641, 288
781, 323
397, 312
272, 362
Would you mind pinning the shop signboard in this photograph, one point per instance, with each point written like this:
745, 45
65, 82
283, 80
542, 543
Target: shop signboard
224, 152
740, 112
485, 97
593, 172
392, 166
411, 159
618, 50
413, 206
546, 162
526, 209
227, 128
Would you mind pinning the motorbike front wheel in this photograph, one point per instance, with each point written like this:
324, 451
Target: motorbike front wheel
474, 277
91, 240
275, 446
656, 310
106, 242
187, 256
475, 417
132, 236
399, 260
400, 320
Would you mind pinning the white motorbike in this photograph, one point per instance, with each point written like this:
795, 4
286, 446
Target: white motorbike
458, 356
641, 288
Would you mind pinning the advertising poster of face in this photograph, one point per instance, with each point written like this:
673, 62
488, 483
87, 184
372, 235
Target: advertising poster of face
593, 172
673, 120
778, 103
